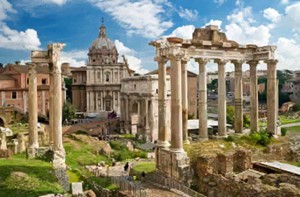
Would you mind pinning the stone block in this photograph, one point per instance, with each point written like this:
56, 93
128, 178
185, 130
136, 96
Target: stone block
77, 188
225, 163
242, 160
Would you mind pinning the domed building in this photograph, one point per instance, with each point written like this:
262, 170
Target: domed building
97, 86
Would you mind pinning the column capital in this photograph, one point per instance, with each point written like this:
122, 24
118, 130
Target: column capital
32, 68
175, 53
202, 61
161, 59
54, 51
238, 62
184, 60
253, 62
271, 62
221, 61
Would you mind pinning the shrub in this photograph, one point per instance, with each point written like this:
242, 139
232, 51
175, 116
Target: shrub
283, 131
116, 145
229, 139
261, 138
246, 122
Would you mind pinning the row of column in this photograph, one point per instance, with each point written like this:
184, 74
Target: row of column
179, 99
93, 99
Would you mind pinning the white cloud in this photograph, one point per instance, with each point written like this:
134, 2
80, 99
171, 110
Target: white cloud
284, 1
133, 62
292, 16
187, 14
288, 53
5, 7
272, 15
241, 28
142, 18
23, 40
185, 32
76, 58
219, 2
214, 22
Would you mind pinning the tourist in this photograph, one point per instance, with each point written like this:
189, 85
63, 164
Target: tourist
143, 175
126, 166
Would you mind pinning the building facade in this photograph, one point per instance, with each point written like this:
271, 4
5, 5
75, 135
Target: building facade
139, 106
96, 87
14, 81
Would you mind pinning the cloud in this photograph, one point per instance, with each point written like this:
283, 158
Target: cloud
291, 18
219, 2
241, 28
284, 1
272, 15
144, 18
13, 39
187, 14
76, 58
134, 62
288, 53
185, 32
214, 22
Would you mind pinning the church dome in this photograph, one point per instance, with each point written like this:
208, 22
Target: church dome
103, 42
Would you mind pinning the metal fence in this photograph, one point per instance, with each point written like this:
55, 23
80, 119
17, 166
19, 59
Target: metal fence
171, 184
129, 187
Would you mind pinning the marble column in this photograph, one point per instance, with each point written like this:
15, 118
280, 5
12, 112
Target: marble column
184, 92
87, 101
163, 129
221, 98
238, 96
253, 96
97, 102
51, 104
147, 118
202, 85
271, 97
3, 144
176, 104
32, 111
43, 103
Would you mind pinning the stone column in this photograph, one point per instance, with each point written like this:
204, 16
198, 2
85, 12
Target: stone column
33, 111
253, 96
87, 101
221, 98
271, 97
51, 104
97, 102
43, 103
163, 130
147, 118
202, 98
176, 104
3, 144
22, 143
238, 97
184, 92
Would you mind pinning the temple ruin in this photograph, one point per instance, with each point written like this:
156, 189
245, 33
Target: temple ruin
207, 44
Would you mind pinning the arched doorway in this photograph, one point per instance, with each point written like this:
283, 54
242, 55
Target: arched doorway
108, 103
1, 122
134, 108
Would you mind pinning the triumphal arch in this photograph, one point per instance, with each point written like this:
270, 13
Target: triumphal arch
207, 44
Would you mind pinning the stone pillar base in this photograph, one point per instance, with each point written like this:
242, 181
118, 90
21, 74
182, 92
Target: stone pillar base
31, 152
175, 165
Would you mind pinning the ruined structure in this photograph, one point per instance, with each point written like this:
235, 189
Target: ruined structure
207, 44
97, 86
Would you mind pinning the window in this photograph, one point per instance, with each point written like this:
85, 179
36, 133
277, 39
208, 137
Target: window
107, 76
75, 80
98, 74
14, 95
135, 86
27, 80
44, 81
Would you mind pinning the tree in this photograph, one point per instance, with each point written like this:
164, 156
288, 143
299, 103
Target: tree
68, 111
213, 85
68, 84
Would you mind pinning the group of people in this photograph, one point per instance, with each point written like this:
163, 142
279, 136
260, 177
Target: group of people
127, 166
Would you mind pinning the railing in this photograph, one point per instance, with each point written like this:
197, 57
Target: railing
173, 185
130, 188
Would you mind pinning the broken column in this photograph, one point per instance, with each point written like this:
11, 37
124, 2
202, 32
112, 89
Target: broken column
58, 148
221, 98
184, 92
238, 97
202, 99
3, 144
32, 111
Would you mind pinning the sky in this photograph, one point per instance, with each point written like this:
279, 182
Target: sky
131, 24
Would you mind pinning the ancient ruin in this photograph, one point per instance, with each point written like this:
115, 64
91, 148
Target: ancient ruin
207, 44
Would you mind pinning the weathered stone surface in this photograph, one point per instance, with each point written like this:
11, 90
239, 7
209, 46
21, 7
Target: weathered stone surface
62, 177
89, 193
77, 188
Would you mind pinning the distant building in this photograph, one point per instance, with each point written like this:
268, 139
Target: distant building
139, 106
14, 81
96, 87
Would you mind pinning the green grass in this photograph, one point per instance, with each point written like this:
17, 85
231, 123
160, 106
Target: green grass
104, 182
39, 178
285, 120
18, 129
295, 129
147, 167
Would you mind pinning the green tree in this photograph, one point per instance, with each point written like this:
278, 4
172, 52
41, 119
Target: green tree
230, 115
68, 84
213, 85
68, 111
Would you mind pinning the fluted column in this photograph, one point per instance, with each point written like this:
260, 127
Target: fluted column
202, 89
184, 92
271, 97
32, 111
176, 104
221, 98
238, 97
163, 130
55, 69
253, 96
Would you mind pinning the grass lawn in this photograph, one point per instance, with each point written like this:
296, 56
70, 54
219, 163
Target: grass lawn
285, 120
147, 167
22, 177
295, 129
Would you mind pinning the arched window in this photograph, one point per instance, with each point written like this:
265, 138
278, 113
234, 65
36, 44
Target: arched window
107, 76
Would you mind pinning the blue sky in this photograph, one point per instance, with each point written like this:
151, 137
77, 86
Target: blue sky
26, 25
